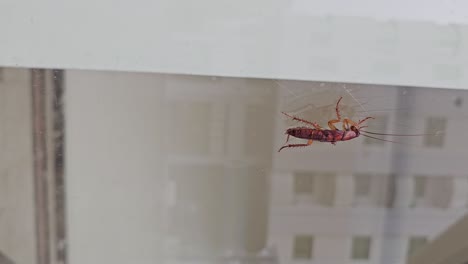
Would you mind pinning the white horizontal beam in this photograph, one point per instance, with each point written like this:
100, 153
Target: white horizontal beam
437, 11
418, 43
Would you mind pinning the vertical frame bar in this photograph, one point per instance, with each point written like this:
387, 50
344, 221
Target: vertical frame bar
59, 165
40, 165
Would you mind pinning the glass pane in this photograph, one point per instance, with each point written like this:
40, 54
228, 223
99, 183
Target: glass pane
166, 168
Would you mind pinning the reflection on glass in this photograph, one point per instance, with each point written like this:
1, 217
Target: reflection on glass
185, 169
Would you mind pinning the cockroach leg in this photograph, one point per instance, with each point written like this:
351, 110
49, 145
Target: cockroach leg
337, 108
296, 145
349, 121
338, 116
332, 122
362, 121
315, 125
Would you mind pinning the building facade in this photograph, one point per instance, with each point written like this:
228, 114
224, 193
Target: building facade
369, 201
219, 151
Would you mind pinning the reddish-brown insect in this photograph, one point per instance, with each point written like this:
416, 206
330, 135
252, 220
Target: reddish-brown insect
350, 131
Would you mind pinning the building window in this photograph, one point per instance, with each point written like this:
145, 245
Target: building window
378, 125
419, 190
303, 247
361, 246
257, 120
197, 189
373, 189
416, 243
190, 128
420, 183
362, 185
390, 191
314, 188
304, 187
362, 189
304, 183
434, 191
433, 126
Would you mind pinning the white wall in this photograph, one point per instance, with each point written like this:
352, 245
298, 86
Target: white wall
363, 41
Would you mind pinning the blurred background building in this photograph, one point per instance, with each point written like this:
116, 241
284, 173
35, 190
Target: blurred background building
219, 156
369, 201
191, 172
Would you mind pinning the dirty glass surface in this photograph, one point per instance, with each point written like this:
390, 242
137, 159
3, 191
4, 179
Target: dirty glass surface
117, 167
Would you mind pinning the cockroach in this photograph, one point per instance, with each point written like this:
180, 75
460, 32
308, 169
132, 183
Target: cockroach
351, 130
